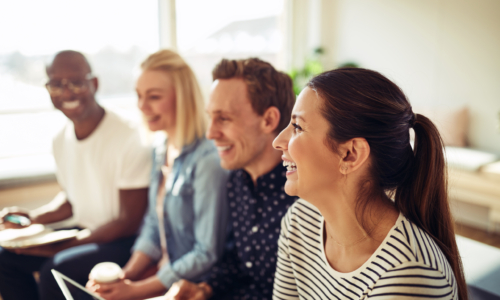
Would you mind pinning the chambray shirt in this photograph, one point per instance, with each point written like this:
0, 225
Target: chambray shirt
195, 213
246, 269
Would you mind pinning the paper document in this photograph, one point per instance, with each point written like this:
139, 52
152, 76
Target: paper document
34, 235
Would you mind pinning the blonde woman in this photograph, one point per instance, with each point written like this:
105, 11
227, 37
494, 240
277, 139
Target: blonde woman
183, 230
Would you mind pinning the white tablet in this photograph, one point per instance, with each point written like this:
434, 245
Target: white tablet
72, 290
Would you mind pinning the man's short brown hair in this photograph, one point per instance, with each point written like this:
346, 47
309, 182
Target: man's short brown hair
266, 86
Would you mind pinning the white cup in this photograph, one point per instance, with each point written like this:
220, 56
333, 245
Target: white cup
106, 272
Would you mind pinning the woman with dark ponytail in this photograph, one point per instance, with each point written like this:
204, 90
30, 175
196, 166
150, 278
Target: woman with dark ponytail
374, 221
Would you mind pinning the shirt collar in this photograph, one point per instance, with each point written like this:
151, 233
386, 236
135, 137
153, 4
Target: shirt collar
161, 149
276, 175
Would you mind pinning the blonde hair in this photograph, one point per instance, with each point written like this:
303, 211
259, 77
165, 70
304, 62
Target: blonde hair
190, 119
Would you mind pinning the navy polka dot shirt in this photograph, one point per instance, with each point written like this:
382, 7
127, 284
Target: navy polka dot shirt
246, 269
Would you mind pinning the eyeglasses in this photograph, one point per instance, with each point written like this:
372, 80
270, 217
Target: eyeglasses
56, 88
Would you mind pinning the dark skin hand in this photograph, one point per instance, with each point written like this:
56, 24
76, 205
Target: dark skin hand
57, 210
133, 205
4, 224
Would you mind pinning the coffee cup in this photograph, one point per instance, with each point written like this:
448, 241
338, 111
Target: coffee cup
106, 272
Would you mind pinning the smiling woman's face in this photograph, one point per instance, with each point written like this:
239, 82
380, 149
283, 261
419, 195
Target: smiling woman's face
312, 166
156, 99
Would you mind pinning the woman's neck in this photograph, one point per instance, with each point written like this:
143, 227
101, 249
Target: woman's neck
353, 231
172, 153
172, 137
173, 149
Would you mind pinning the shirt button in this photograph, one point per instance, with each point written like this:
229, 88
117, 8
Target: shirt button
249, 264
255, 228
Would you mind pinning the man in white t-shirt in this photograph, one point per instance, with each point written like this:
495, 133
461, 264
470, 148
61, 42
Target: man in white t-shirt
103, 169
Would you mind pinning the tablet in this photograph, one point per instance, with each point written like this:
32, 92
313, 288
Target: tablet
73, 290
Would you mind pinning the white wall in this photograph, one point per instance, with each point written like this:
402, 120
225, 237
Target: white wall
310, 24
440, 52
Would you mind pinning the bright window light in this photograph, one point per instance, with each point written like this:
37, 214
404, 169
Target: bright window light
208, 31
115, 35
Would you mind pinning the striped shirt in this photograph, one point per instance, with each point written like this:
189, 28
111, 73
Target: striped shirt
408, 264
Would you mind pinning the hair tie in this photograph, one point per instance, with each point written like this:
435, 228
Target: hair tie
412, 120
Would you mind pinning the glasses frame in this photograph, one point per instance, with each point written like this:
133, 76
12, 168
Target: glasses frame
66, 83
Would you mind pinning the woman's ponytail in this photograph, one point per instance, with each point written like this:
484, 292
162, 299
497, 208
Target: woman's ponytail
423, 196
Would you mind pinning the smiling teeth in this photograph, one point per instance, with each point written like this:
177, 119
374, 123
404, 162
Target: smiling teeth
70, 104
290, 166
223, 148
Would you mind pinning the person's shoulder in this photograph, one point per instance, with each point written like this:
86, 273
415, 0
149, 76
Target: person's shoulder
418, 280
205, 147
303, 208
203, 151
59, 138
123, 134
304, 215
412, 264
410, 244
119, 124
205, 156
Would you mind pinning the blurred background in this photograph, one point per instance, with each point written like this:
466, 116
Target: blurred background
444, 54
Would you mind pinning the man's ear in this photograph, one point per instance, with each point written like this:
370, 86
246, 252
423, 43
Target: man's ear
95, 84
353, 153
270, 119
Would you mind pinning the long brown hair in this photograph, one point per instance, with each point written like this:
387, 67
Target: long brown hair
363, 103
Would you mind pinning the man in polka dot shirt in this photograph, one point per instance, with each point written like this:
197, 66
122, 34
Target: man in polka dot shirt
250, 103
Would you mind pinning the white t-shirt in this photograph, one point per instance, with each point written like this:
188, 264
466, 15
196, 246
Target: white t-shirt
93, 170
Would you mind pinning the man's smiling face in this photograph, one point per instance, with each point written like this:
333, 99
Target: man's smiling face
72, 71
234, 125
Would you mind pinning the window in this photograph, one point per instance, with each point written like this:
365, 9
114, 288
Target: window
231, 29
115, 36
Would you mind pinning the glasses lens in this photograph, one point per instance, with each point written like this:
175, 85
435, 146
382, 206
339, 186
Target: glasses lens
76, 87
53, 88
56, 88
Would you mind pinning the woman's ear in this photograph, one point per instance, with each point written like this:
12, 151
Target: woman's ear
354, 153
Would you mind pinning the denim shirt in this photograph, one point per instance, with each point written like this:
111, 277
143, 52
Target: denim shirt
195, 212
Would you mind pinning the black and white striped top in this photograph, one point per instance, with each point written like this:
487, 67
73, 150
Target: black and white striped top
407, 265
